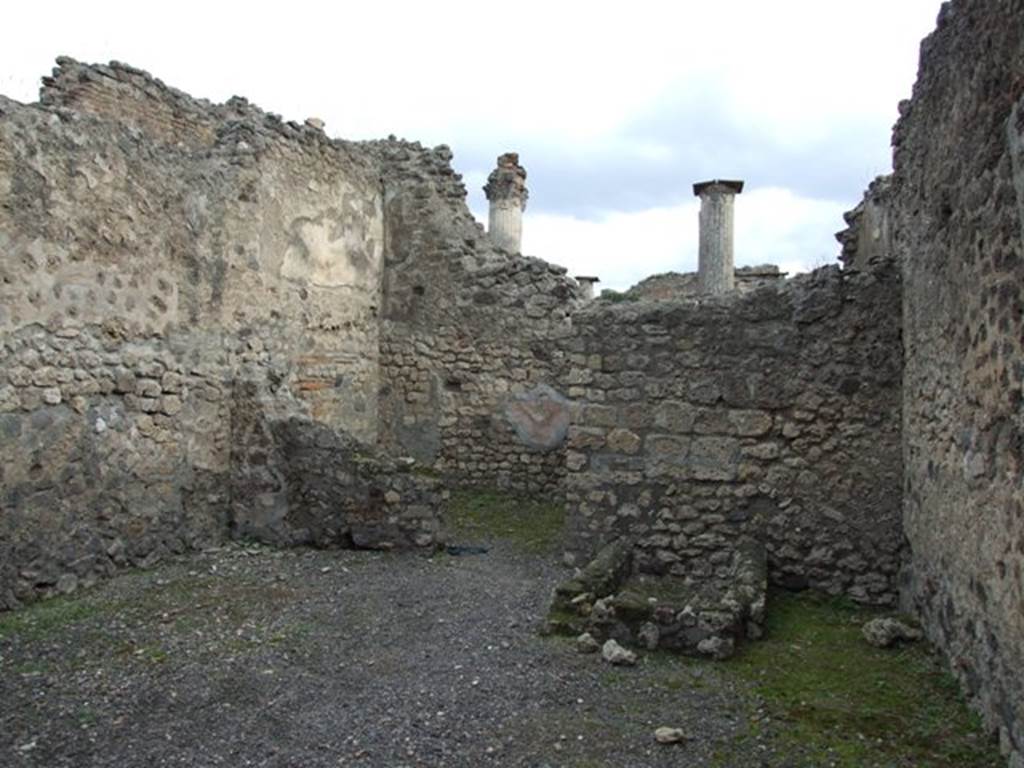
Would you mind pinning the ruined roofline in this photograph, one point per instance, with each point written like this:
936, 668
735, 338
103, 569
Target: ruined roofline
120, 94
60, 87
794, 291
68, 87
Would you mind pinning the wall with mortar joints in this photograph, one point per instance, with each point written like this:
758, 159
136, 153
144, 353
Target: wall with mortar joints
774, 415
272, 229
115, 452
958, 233
157, 253
671, 286
470, 341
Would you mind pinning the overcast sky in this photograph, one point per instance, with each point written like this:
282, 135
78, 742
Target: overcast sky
616, 109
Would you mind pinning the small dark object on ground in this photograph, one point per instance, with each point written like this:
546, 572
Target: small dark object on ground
461, 550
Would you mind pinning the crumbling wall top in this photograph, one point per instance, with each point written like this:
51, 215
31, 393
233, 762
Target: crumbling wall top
869, 232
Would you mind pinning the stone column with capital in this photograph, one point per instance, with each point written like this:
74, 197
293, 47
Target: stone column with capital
506, 192
716, 271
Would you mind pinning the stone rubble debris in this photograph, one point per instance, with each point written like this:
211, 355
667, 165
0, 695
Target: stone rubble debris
616, 655
666, 735
885, 632
586, 643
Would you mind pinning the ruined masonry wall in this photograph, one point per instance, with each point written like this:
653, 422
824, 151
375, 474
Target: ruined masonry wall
672, 286
958, 207
156, 251
771, 417
470, 353
868, 233
266, 232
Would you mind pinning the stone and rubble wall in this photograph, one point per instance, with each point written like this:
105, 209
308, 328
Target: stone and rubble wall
470, 350
296, 481
671, 286
771, 417
131, 203
958, 208
157, 253
868, 233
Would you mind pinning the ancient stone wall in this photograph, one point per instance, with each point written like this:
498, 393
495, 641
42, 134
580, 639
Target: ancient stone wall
675, 285
470, 348
157, 253
296, 481
958, 198
868, 234
772, 416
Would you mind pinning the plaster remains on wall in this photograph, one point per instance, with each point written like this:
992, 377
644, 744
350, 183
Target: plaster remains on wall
336, 249
219, 324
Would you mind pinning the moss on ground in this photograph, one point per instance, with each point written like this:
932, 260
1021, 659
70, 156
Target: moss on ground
529, 525
811, 693
835, 700
40, 619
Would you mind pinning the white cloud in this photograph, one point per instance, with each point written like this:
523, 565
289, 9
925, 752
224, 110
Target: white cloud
619, 248
566, 71
773, 226
569, 79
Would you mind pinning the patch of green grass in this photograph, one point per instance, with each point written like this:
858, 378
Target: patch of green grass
532, 526
40, 619
562, 623
676, 683
31, 668
615, 297
293, 634
87, 717
675, 671
836, 699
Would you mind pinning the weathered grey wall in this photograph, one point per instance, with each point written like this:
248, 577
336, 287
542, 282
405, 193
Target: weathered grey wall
958, 232
773, 415
296, 481
131, 203
180, 277
868, 234
470, 341
670, 286
156, 252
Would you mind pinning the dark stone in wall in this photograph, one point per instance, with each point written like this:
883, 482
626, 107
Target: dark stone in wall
958, 235
1015, 134
298, 482
773, 416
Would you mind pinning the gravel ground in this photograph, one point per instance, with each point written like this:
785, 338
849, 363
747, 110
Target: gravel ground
252, 657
